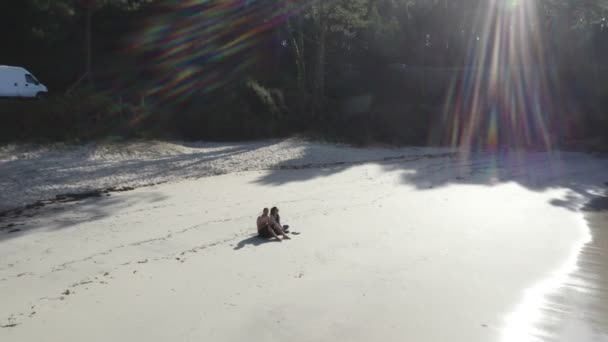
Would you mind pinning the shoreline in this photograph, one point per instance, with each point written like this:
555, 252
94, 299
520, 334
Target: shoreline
578, 309
595, 254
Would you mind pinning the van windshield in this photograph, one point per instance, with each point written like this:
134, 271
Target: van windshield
31, 79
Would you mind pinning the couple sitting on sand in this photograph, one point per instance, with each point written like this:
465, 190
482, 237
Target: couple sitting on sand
270, 225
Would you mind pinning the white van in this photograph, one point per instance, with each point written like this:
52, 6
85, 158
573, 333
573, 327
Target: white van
18, 82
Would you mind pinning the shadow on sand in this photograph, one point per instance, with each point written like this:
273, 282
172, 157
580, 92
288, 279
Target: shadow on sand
254, 240
536, 170
67, 212
74, 169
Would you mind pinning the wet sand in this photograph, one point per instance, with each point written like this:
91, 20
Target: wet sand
578, 309
594, 263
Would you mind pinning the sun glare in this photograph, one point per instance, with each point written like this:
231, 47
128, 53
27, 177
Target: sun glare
200, 46
508, 93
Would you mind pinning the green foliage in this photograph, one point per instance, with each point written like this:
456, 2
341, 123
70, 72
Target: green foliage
299, 74
267, 101
577, 14
346, 16
247, 111
86, 115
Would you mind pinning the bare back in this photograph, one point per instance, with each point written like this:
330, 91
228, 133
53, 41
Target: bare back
263, 221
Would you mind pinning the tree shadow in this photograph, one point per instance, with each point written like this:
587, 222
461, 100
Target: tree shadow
582, 174
42, 173
597, 205
57, 215
254, 240
319, 160
424, 168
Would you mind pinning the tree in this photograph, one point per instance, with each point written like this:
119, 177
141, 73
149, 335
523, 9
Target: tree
342, 18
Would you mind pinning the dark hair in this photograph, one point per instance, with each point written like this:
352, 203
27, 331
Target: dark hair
274, 209
265, 209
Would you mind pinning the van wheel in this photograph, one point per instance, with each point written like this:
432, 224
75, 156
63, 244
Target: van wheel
41, 96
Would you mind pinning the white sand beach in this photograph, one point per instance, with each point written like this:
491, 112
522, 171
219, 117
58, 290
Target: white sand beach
388, 244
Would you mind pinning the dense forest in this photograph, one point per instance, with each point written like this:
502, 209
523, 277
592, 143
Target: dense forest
482, 73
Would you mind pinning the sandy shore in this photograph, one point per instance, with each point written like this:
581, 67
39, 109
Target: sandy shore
426, 249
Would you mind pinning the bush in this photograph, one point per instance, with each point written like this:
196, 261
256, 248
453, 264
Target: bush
85, 115
390, 122
247, 111
262, 99
401, 124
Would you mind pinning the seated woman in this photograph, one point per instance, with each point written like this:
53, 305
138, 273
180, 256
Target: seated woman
268, 228
274, 214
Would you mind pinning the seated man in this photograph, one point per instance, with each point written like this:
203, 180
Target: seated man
268, 228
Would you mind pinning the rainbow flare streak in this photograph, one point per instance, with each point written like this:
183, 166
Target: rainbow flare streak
510, 94
201, 46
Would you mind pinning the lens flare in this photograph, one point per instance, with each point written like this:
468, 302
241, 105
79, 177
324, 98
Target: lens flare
198, 46
510, 93
513, 3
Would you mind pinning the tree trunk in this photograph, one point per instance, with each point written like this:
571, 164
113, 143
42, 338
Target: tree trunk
88, 52
300, 41
297, 42
319, 77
